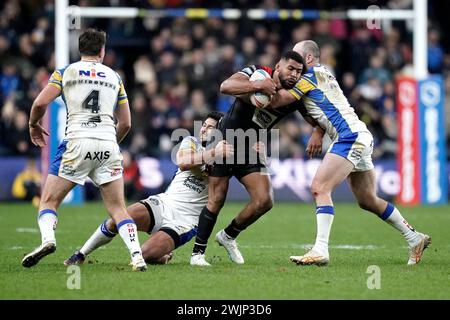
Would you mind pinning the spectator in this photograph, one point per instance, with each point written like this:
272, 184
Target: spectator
175, 66
435, 52
376, 70
131, 177
27, 183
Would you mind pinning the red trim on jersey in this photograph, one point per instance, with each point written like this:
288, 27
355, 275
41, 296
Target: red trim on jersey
269, 70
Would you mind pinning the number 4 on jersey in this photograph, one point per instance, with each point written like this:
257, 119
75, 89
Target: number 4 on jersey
91, 101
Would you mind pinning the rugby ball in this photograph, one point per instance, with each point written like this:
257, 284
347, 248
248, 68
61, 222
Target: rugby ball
258, 99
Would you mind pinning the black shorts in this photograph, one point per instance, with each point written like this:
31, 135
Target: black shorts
237, 170
245, 160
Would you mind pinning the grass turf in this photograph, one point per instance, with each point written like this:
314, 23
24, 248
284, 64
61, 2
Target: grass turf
358, 240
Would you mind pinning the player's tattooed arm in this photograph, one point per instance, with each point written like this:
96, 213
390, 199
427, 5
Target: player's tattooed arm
239, 84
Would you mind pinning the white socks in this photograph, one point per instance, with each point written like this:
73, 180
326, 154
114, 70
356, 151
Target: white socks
128, 232
392, 216
47, 221
100, 237
324, 216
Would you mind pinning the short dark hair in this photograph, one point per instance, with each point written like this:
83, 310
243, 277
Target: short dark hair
91, 42
216, 115
293, 55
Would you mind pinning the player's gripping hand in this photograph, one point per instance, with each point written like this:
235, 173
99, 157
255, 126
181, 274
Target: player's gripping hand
314, 147
223, 150
37, 133
266, 86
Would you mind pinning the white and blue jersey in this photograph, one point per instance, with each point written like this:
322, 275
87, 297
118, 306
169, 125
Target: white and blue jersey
179, 207
327, 105
91, 92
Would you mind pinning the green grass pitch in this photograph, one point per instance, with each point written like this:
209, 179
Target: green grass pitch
358, 240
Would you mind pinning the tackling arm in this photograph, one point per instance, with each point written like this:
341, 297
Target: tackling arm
281, 98
188, 158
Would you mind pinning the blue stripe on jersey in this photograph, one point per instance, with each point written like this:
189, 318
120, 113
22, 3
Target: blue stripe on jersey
61, 71
54, 167
310, 75
185, 237
332, 113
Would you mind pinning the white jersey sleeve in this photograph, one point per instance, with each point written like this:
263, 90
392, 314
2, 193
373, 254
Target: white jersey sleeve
326, 104
188, 191
91, 92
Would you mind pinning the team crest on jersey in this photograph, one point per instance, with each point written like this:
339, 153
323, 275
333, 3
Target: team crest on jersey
356, 154
91, 73
153, 201
68, 169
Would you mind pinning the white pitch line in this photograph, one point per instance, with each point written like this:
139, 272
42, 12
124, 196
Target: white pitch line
310, 245
27, 230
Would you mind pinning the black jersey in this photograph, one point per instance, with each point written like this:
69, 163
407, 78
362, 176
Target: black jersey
244, 115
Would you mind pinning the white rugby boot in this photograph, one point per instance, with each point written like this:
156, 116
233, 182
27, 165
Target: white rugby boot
138, 262
416, 251
198, 259
312, 257
231, 246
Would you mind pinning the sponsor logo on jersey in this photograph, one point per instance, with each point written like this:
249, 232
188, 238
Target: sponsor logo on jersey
100, 155
194, 183
116, 172
91, 73
263, 118
92, 122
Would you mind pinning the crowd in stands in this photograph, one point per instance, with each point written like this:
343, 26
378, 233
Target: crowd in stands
172, 67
